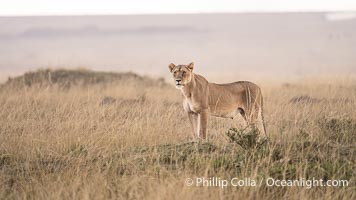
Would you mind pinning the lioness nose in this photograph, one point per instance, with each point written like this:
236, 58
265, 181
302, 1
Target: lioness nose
178, 81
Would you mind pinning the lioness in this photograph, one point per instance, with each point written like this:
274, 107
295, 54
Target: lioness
201, 98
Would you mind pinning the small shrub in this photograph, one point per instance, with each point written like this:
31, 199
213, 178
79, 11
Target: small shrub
246, 138
338, 130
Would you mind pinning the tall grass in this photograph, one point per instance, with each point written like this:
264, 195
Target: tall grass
65, 144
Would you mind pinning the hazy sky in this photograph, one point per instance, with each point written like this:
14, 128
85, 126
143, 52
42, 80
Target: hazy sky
83, 7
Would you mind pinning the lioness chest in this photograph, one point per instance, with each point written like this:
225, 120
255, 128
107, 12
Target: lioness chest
191, 103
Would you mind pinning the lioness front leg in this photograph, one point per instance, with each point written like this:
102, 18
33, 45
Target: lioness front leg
193, 118
203, 122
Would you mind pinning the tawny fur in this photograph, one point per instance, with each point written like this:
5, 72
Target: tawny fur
201, 99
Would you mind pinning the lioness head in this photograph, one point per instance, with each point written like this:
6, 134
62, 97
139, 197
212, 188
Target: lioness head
182, 74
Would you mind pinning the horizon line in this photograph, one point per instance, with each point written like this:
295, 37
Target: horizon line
179, 13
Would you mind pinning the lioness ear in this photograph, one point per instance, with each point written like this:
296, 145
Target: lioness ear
171, 67
191, 66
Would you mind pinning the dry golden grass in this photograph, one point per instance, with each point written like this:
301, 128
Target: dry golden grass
63, 144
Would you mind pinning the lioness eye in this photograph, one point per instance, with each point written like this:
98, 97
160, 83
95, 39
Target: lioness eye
183, 73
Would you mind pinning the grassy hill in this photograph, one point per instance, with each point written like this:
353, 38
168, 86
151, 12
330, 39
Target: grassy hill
131, 140
66, 78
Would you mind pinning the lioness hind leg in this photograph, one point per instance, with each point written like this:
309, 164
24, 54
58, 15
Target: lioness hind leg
261, 127
258, 123
254, 120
